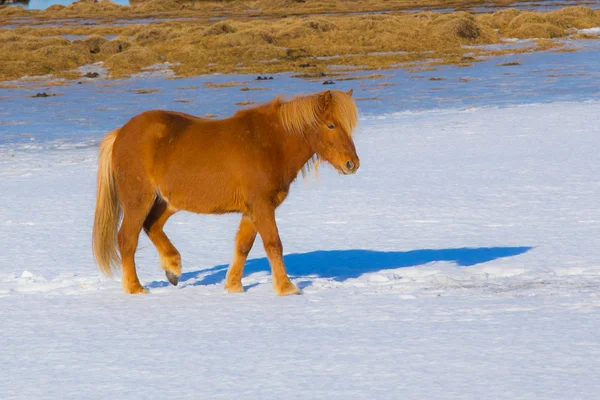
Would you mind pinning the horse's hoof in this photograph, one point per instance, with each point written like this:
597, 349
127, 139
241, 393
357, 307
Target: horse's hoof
288, 289
135, 289
234, 288
173, 279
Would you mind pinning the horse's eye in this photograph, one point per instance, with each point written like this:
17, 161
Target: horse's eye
330, 126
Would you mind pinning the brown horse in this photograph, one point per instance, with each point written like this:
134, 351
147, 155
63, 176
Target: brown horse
161, 162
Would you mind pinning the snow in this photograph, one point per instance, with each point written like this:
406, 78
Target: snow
591, 31
460, 262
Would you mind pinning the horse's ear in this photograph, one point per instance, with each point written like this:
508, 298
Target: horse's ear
349, 92
325, 100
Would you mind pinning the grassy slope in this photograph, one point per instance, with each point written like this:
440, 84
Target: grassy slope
258, 37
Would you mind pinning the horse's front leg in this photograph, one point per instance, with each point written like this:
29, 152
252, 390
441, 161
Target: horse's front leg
264, 220
244, 239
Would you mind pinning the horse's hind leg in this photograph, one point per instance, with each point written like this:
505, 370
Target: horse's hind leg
170, 260
135, 210
244, 240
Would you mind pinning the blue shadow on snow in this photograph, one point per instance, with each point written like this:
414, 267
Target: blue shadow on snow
344, 264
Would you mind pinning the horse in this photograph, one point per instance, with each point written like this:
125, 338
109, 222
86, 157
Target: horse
161, 162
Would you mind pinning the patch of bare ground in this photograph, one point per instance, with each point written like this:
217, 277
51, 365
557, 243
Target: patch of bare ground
212, 85
254, 37
144, 91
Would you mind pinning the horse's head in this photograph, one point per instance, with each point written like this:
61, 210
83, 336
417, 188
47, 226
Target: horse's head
333, 139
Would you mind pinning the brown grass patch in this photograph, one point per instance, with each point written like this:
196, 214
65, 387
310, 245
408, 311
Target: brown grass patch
248, 89
365, 77
456, 27
158, 5
131, 61
54, 8
221, 85
220, 28
92, 43
567, 50
245, 103
271, 44
143, 91
44, 95
535, 30
117, 45
509, 64
321, 25
154, 34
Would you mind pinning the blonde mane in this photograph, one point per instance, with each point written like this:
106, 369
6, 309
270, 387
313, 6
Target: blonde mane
303, 113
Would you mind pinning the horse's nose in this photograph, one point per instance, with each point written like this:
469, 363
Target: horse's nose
350, 165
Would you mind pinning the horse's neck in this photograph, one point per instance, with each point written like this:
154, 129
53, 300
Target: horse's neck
297, 152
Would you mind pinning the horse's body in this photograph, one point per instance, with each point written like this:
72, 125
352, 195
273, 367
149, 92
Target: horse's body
161, 162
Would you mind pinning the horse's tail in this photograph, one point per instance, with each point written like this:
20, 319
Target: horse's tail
108, 210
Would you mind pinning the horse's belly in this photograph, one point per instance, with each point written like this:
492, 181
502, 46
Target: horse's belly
199, 178
205, 199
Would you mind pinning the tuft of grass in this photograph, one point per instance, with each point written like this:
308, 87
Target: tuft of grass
247, 89
365, 77
221, 85
158, 5
244, 103
92, 43
220, 28
144, 91
509, 64
117, 45
130, 61
321, 25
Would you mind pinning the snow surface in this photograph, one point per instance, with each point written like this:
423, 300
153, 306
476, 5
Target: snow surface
591, 31
460, 262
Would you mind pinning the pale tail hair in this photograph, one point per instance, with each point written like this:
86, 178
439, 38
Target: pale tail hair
108, 210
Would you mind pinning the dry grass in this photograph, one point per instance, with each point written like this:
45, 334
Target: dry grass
130, 61
365, 77
509, 64
221, 85
271, 44
144, 91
